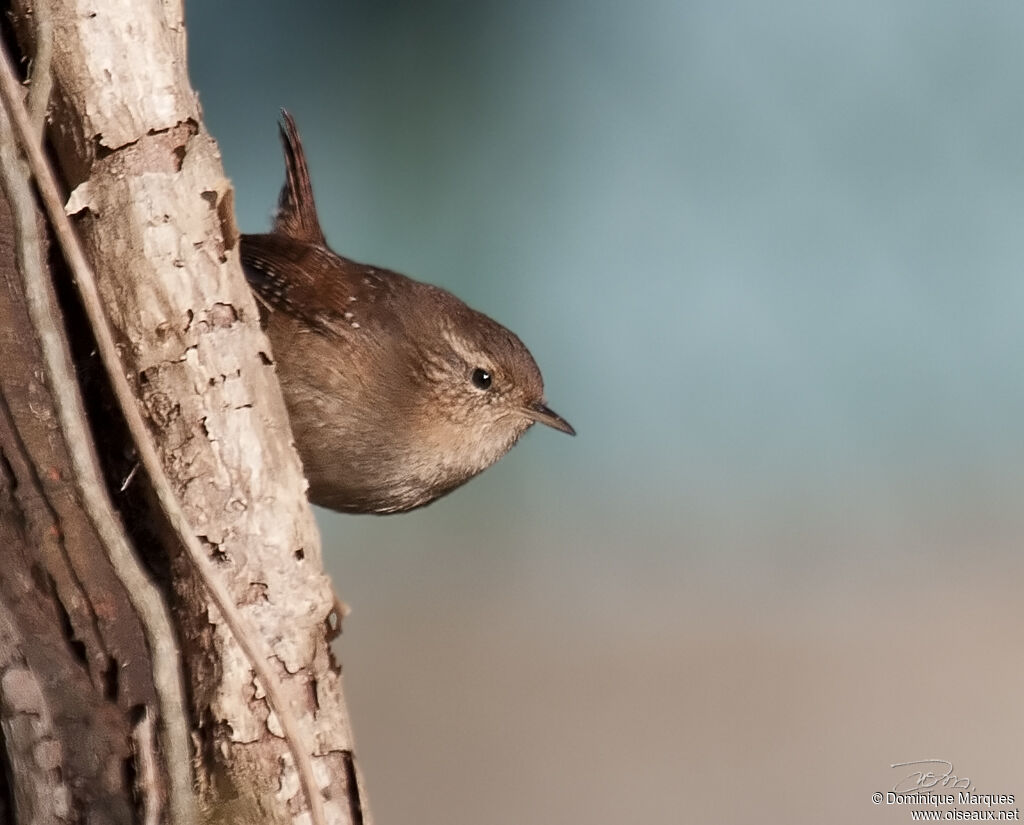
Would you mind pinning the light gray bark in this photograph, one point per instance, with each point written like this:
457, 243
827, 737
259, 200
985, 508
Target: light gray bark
154, 209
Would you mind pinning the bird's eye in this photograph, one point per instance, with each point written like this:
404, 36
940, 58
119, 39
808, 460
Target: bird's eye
481, 379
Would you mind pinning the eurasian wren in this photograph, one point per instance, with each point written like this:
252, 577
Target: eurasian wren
397, 391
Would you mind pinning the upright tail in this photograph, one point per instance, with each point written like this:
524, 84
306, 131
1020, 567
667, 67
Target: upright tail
296, 210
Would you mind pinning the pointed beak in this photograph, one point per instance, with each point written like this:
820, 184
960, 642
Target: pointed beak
543, 415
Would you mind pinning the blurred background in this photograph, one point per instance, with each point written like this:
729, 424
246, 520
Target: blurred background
769, 258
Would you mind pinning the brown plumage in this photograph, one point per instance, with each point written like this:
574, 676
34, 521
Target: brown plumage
397, 391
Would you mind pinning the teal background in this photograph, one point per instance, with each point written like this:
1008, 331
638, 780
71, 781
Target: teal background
769, 258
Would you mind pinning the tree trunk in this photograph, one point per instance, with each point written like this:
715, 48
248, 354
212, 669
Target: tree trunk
84, 705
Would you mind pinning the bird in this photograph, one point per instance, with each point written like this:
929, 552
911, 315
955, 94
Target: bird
397, 391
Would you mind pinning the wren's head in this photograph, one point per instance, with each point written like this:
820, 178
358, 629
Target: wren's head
397, 391
477, 387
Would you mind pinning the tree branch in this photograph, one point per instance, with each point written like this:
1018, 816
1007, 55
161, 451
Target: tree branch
180, 337
42, 308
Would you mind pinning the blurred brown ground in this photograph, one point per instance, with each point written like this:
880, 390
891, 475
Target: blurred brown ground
725, 700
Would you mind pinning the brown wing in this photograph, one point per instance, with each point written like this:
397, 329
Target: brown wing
296, 209
312, 283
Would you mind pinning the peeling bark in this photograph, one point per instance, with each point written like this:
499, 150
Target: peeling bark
150, 200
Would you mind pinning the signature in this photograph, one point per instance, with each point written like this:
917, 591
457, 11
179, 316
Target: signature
930, 773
